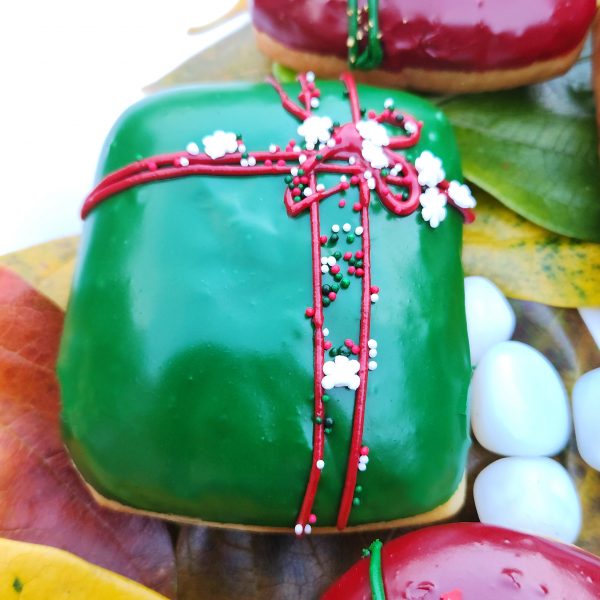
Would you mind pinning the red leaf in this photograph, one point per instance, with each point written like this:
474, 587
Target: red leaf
42, 499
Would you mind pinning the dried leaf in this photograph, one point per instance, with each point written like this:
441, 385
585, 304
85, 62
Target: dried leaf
528, 262
42, 500
41, 573
47, 267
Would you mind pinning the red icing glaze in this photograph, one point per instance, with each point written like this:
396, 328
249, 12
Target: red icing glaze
471, 35
478, 561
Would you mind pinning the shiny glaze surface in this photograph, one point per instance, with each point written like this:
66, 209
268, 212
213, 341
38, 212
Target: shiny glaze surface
186, 362
472, 35
481, 561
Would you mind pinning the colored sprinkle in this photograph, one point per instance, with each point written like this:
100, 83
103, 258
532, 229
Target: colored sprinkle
310, 312
350, 238
345, 283
325, 398
312, 519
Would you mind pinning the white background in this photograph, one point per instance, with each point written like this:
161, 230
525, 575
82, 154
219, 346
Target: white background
67, 70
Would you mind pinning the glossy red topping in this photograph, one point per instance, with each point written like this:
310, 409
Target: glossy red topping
479, 561
437, 34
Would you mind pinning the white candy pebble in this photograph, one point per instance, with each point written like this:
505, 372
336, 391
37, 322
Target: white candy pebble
298, 529
586, 417
320, 464
490, 318
533, 495
519, 406
307, 529
193, 148
372, 343
331, 260
347, 227
335, 228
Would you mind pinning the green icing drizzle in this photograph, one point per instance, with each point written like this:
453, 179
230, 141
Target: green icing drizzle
372, 55
375, 574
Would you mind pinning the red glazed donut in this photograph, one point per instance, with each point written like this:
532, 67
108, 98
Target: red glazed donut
472, 561
431, 45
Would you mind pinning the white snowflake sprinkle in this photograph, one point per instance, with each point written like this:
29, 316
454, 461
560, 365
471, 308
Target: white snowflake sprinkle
219, 144
434, 206
373, 131
341, 372
430, 169
316, 129
461, 194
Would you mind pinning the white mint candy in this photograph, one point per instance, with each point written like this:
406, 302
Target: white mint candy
533, 495
586, 416
490, 318
519, 405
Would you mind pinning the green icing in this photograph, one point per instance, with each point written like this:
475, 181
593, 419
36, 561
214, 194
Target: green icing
375, 572
186, 364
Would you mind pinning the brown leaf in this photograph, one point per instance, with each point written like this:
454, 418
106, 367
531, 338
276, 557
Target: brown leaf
42, 500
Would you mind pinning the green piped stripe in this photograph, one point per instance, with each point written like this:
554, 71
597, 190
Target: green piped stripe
375, 573
372, 55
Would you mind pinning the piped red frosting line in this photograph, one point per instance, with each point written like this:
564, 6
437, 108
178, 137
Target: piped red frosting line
358, 420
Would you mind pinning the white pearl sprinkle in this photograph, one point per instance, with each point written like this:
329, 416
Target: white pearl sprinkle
343, 179
301, 158
310, 76
314, 102
298, 529
331, 261
307, 529
321, 146
362, 467
324, 269
331, 143
371, 183
297, 148
372, 352
310, 146
351, 160
388, 103
320, 187
347, 227
325, 332
323, 260
372, 343
241, 148
244, 162
364, 459
335, 228
359, 230
272, 148
374, 298
183, 161
193, 148
320, 464
307, 192
372, 365
294, 171
251, 161
368, 174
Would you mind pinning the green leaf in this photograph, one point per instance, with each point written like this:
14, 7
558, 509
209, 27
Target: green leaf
535, 149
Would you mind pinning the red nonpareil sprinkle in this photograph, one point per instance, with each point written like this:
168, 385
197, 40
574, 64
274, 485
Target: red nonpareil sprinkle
453, 595
304, 180
327, 345
359, 254
355, 349
317, 93
359, 272
332, 296
372, 114
354, 180
312, 519
345, 185
296, 180
444, 185
310, 312
151, 165
348, 342
374, 289
335, 269
364, 450
323, 240
347, 255
356, 207
281, 163
268, 162
342, 203
292, 143
351, 270
296, 192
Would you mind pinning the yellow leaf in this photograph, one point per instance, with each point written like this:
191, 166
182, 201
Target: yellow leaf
528, 262
47, 267
35, 572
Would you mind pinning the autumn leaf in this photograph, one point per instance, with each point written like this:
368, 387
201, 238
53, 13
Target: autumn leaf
40, 572
42, 500
528, 262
